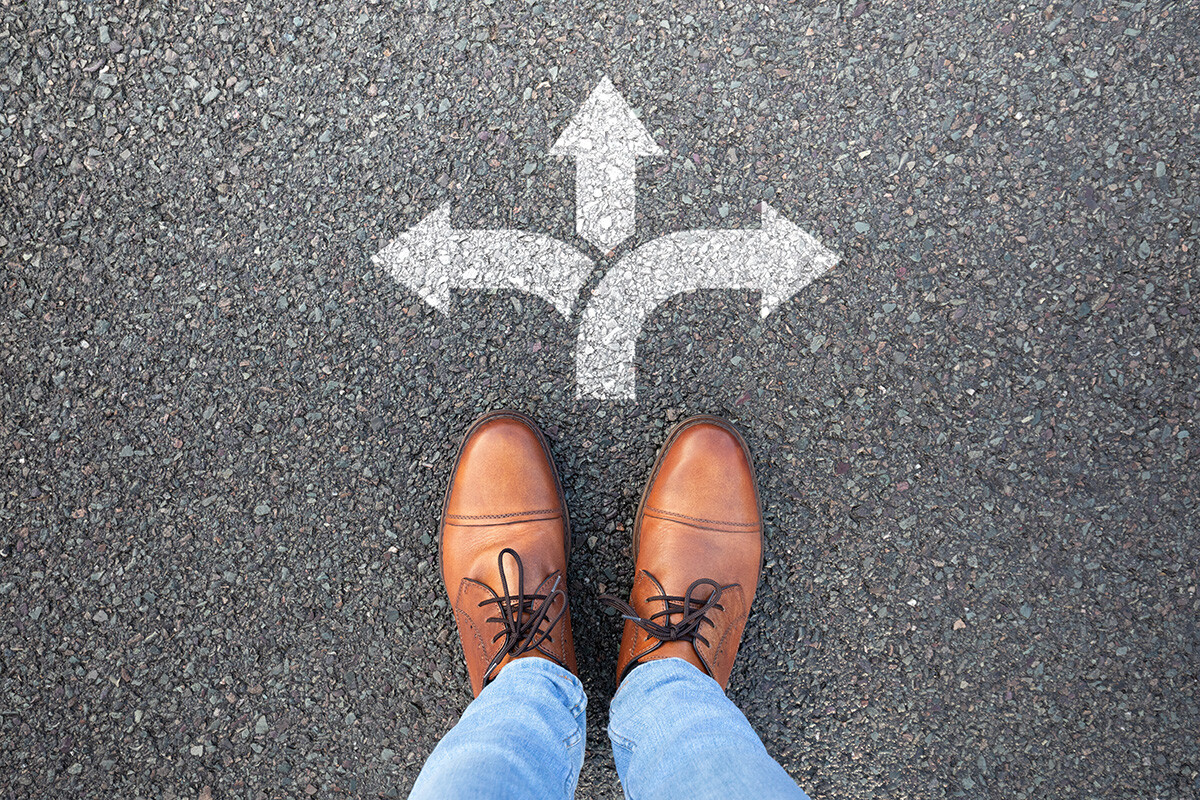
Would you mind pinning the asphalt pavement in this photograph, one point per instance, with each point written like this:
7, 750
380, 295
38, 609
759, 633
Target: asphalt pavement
226, 430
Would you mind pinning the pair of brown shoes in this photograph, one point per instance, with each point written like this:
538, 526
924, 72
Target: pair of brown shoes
505, 540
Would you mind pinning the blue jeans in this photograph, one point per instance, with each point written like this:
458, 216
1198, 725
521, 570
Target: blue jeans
674, 734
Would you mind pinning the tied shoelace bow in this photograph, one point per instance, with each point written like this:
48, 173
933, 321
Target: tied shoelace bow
693, 613
522, 616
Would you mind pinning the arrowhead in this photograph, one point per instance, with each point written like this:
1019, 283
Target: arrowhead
605, 125
435, 222
419, 257
796, 259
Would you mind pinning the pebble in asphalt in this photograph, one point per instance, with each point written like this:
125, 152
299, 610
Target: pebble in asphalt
226, 432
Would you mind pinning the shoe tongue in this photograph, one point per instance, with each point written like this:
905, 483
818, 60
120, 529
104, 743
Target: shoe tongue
512, 576
534, 576
494, 575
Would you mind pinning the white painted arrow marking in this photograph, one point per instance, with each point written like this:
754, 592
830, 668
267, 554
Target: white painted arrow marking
778, 259
432, 258
605, 139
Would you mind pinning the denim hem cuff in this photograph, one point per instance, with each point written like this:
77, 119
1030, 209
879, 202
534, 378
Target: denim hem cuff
543, 666
665, 669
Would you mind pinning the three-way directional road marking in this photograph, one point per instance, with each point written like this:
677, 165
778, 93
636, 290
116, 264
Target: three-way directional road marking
604, 137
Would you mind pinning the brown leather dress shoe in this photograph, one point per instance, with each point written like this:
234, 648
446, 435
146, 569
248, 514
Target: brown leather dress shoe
503, 547
697, 547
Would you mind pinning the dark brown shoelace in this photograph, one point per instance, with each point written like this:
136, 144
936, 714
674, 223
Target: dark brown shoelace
694, 613
522, 616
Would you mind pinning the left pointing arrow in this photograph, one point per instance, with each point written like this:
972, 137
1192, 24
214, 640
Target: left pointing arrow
433, 258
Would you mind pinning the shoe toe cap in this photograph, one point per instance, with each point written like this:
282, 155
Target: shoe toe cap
706, 475
503, 470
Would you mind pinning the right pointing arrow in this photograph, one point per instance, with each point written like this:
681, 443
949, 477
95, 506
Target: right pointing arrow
605, 138
432, 258
778, 259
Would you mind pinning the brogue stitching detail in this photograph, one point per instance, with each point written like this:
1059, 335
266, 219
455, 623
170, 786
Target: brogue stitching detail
504, 516
458, 609
560, 656
700, 527
636, 649
701, 519
739, 620
497, 523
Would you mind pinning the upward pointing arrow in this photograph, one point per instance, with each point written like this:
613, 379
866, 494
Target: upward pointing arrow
605, 138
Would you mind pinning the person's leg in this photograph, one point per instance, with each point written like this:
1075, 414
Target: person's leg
676, 735
523, 737
697, 549
503, 547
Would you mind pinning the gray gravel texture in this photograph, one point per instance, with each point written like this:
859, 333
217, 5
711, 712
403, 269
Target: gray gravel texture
226, 434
